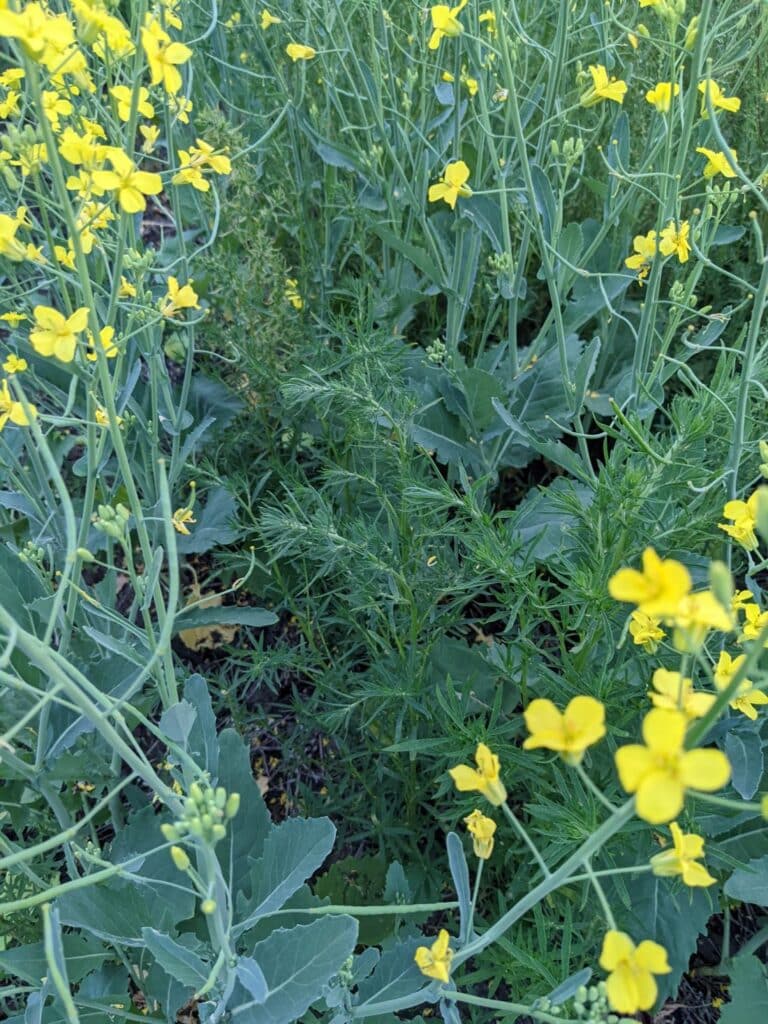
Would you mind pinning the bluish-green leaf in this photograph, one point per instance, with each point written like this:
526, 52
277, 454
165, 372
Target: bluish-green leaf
245, 839
230, 615
750, 883
176, 960
744, 750
251, 977
749, 992
457, 863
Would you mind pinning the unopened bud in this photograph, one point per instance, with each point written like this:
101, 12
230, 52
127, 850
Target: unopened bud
180, 859
85, 555
232, 805
220, 797
208, 906
170, 832
218, 832
195, 827
196, 793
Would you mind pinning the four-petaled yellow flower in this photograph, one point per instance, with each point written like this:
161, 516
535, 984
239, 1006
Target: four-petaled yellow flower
106, 341
744, 516
696, 615
488, 18
452, 184
268, 19
719, 101
124, 96
661, 95
755, 623
676, 693
646, 631
57, 335
482, 830
178, 297
631, 985
435, 960
15, 364
292, 293
163, 55
129, 183
660, 772
569, 732
298, 51
484, 780
747, 698
445, 22
11, 409
657, 590
194, 161
681, 859
646, 247
674, 239
180, 518
603, 88
717, 162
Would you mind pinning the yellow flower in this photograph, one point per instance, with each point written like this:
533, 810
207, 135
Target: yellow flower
298, 51
755, 622
482, 830
661, 95
178, 297
741, 599
130, 184
31, 26
486, 780
451, 185
657, 590
102, 417
15, 364
646, 631
569, 732
180, 107
10, 246
719, 101
57, 335
717, 162
661, 771
195, 160
107, 342
675, 240
602, 88
645, 247
163, 55
65, 256
681, 859
696, 615
435, 961
150, 133
291, 293
747, 698
12, 410
126, 289
55, 106
268, 19
488, 18
445, 22
630, 984
124, 96
180, 518
676, 693
744, 516
16, 318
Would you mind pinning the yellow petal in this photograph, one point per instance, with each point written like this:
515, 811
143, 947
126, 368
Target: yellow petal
622, 990
466, 779
633, 763
617, 946
659, 798
542, 716
706, 770
664, 731
652, 957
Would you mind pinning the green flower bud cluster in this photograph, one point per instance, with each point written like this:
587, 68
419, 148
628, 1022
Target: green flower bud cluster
32, 553
112, 521
764, 458
436, 352
205, 812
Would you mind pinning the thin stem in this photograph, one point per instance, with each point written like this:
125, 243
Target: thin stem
520, 829
594, 789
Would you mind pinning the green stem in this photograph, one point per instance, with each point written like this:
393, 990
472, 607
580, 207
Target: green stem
518, 826
518, 1009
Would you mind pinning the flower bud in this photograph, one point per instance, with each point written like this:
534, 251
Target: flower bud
218, 832
232, 805
180, 859
196, 793
170, 832
85, 555
220, 797
208, 906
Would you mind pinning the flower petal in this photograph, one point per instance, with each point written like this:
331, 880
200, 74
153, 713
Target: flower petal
617, 946
659, 798
633, 763
706, 770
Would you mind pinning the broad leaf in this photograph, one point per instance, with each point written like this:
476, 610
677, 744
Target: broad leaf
177, 961
749, 992
750, 884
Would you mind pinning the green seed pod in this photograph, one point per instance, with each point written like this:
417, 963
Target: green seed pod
180, 859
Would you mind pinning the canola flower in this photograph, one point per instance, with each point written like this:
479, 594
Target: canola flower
445, 23
674, 240
11, 410
755, 622
569, 733
177, 298
717, 162
646, 247
193, 163
292, 294
299, 51
748, 698
657, 590
681, 859
435, 961
484, 780
57, 335
130, 185
106, 342
15, 364
675, 692
646, 631
743, 516
661, 771
709, 88
631, 985
181, 518
661, 95
482, 830
696, 615
164, 56
267, 20
452, 184
602, 88
123, 95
